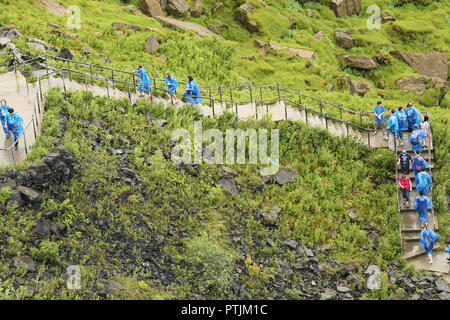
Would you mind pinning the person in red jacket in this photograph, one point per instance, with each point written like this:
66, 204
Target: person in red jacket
406, 187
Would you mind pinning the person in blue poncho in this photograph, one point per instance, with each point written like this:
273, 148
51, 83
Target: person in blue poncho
145, 86
416, 138
421, 204
171, 84
14, 123
379, 120
413, 116
401, 116
392, 127
418, 162
423, 181
192, 93
4, 108
448, 251
427, 239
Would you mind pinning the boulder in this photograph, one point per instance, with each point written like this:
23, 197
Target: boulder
229, 171
418, 84
271, 218
360, 62
441, 286
202, 31
151, 8
359, 87
152, 44
248, 57
10, 33
431, 64
319, 35
110, 286
4, 41
381, 84
242, 15
344, 38
28, 194
302, 53
163, 4
345, 7
65, 53
87, 51
330, 87
177, 7
309, 13
285, 176
196, 8
386, 17
229, 185
24, 262
328, 294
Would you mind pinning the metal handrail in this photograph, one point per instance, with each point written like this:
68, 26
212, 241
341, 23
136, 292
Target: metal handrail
431, 176
128, 73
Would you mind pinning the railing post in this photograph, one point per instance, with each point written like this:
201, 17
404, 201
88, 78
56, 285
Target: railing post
46, 65
231, 94
321, 106
285, 109
251, 94
360, 117
107, 86
13, 156
340, 109
25, 142
112, 76
90, 72
85, 82
34, 126
14, 63
306, 114
129, 92
368, 137
63, 79
278, 89
210, 99
70, 75
326, 120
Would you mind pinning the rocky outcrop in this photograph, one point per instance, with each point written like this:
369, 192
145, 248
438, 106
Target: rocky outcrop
418, 84
242, 15
52, 6
177, 7
152, 44
382, 60
272, 46
359, 62
345, 7
55, 169
431, 64
151, 8
202, 31
344, 38
4, 41
319, 35
65, 53
120, 25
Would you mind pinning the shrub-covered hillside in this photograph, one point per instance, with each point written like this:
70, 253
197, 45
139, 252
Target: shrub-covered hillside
125, 213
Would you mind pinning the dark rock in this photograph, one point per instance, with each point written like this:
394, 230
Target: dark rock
230, 171
308, 252
285, 176
344, 7
110, 286
291, 244
441, 286
229, 185
10, 33
25, 262
42, 230
28, 194
271, 218
177, 7
242, 15
382, 60
65, 53
328, 294
151, 8
344, 38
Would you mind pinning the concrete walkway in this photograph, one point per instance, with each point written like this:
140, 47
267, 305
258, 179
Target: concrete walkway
14, 89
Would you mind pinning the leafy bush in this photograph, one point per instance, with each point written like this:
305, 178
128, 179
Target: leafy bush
208, 268
48, 252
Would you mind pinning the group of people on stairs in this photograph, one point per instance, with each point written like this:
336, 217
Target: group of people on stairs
423, 184
399, 120
11, 122
192, 92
